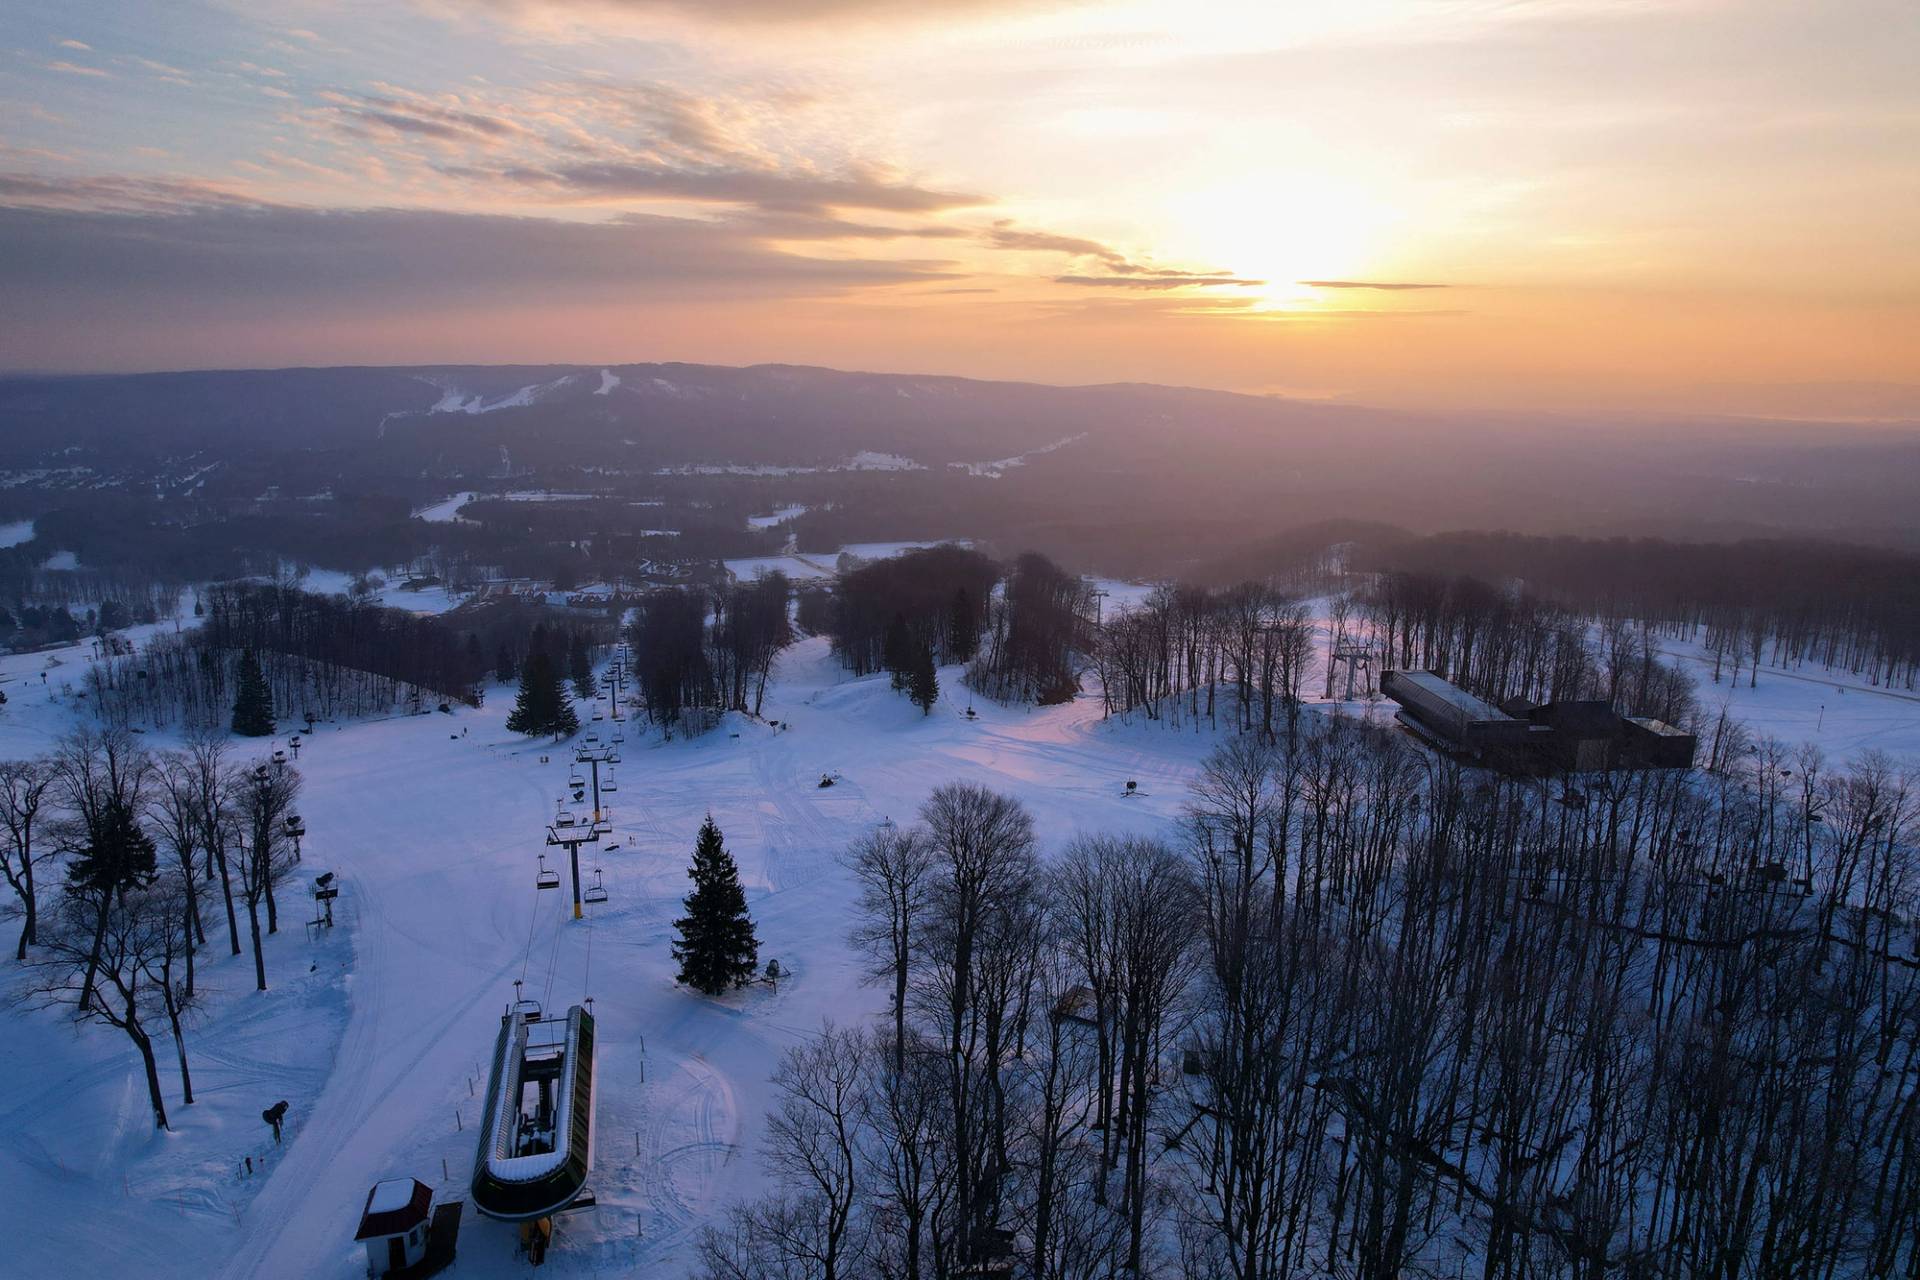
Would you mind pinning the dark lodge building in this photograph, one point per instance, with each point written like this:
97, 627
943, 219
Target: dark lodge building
1522, 737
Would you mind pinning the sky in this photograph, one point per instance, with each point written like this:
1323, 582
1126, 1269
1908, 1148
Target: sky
1699, 205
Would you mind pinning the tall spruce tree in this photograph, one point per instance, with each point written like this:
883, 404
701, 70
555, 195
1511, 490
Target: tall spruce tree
253, 704
580, 666
541, 707
117, 856
923, 682
963, 628
896, 650
716, 948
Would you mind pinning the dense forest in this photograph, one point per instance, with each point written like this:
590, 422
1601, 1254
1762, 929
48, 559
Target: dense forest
935, 597
698, 653
1370, 1014
1842, 607
322, 657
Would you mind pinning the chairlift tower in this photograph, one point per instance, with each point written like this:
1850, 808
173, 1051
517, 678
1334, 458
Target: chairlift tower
1356, 657
566, 831
593, 756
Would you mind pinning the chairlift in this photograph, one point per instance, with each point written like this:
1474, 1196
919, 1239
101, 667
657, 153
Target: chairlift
548, 877
295, 826
524, 1009
564, 818
609, 785
619, 735
575, 781
279, 756
595, 892
598, 714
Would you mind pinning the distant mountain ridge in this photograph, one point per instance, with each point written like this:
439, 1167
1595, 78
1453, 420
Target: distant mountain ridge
1102, 453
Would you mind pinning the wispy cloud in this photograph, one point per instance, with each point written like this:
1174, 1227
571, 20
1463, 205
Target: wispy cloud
262, 259
114, 193
782, 12
771, 188
1178, 280
74, 69
1369, 284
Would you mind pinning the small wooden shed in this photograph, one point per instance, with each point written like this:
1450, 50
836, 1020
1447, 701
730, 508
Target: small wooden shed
395, 1225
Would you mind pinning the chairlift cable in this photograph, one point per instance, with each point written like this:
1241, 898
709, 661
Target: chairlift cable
533, 922
553, 966
586, 977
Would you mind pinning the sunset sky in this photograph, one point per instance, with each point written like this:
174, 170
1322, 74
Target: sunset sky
1561, 203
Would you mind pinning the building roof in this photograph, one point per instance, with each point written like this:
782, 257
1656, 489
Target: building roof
394, 1208
1435, 687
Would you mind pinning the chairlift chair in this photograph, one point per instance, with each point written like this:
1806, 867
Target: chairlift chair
524, 1009
598, 714
575, 781
548, 877
595, 892
609, 784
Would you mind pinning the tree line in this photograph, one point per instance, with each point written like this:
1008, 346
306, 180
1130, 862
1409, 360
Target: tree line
1834, 605
321, 657
1368, 1013
699, 652
121, 861
931, 598
1502, 644
1182, 648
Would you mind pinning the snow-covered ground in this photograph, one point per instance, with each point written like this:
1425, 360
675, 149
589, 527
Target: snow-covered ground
374, 1032
810, 566
377, 1033
1842, 714
447, 511
780, 516
437, 598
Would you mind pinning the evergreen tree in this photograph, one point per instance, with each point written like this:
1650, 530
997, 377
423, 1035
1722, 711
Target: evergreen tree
963, 628
896, 650
541, 708
117, 855
716, 948
476, 658
253, 706
580, 666
923, 683
504, 667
